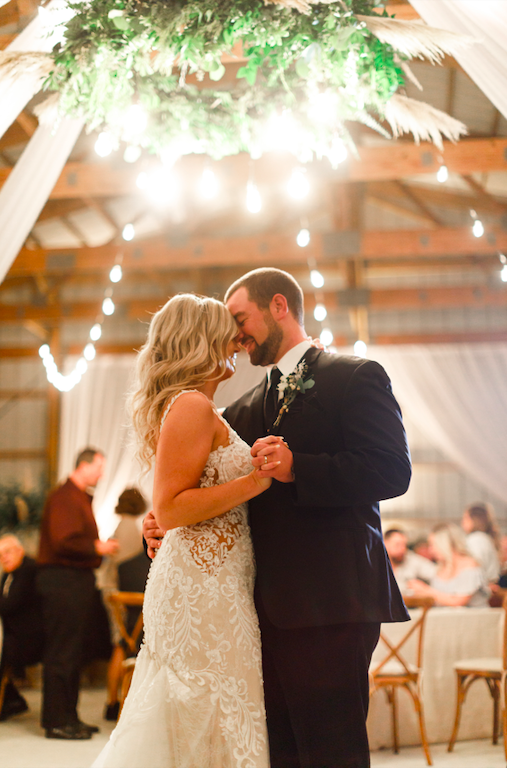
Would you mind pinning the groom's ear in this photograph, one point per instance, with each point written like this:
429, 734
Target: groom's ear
279, 307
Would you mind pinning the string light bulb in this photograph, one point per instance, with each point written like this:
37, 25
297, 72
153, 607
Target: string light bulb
104, 144
360, 348
316, 279
89, 351
303, 237
326, 337
96, 332
128, 232
81, 366
116, 273
44, 351
253, 198
478, 228
108, 306
442, 174
320, 312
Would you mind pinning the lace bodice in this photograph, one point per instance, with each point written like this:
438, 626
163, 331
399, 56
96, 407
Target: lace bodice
202, 636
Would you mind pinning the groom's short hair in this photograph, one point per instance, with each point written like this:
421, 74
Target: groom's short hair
262, 284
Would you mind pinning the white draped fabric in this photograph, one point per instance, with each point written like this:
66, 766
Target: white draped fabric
456, 394
486, 22
39, 36
29, 184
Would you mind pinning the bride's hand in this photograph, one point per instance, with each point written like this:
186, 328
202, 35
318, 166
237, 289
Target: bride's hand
153, 534
262, 482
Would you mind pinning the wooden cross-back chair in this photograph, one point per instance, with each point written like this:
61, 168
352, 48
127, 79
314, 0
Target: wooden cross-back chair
493, 671
393, 671
120, 601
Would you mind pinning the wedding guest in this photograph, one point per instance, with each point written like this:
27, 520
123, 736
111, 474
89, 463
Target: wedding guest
20, 615
406, 564
126, 570
459, 580
69, 551
422, 547
483, 538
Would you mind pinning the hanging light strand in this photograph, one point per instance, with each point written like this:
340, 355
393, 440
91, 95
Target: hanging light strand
66, 382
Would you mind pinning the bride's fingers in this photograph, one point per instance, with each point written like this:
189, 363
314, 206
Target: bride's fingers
266, 468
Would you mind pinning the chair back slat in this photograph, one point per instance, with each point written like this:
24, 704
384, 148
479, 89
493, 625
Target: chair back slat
120, 600
415, 626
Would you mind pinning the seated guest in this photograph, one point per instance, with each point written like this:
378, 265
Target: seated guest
126, 570
459, 580
405, 563
483, 538
21, 618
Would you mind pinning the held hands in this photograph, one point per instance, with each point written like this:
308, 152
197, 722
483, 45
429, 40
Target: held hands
109, 547
279, 458
153, 534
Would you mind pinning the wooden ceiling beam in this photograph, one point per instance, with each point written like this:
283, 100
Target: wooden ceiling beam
344, 300
439, 197
28, 123
380, 163
270, 250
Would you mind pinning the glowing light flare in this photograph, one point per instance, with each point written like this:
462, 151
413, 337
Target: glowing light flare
132, 154
320, 312
208, 186
326, 337
337, 153
298, 186
44, 351
316, 278
135, 120
360, 348
253, 198
104, 144
116, 273
503, 273
162, 186
81, 366
303, 238
324, 107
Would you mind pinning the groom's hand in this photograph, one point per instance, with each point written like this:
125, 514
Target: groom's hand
153, 534
275, 449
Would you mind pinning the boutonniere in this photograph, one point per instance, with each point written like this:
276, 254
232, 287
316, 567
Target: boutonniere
289, 387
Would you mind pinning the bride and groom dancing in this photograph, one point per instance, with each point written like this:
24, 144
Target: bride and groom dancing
206, 693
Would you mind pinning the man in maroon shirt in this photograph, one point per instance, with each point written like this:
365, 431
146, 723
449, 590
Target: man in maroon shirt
69, 551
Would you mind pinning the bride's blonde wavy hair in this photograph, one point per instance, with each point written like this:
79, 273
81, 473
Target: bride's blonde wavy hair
186, 346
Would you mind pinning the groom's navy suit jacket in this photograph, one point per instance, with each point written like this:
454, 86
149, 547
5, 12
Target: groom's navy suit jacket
318, 542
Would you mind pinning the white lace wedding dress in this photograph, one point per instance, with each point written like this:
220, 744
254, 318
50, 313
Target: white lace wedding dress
196, 699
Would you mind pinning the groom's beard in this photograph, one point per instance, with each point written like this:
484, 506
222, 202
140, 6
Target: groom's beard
266, 353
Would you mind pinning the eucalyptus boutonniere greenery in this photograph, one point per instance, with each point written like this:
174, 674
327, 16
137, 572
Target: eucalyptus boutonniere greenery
289, 387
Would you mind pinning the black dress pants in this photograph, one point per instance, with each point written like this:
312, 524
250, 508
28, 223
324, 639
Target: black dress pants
317, 693
67, 597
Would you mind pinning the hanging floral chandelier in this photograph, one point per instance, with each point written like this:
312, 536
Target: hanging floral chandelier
151, 73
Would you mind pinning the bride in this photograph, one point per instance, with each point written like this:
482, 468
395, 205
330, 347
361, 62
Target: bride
196, 699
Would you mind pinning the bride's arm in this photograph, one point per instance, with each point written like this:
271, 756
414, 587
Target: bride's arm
185, 442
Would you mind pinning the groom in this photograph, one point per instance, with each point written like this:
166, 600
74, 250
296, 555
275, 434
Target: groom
324, 582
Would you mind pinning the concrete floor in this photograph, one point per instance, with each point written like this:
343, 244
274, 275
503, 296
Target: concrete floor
22, 743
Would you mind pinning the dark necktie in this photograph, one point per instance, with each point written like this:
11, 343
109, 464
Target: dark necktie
272, 403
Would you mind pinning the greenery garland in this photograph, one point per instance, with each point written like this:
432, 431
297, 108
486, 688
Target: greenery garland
117, 53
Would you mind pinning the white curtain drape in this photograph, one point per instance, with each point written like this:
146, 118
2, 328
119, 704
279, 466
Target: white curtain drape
486, 22
29, 184
39, 36
457, 396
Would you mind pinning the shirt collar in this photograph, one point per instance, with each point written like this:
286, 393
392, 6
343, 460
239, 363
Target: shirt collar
291, 358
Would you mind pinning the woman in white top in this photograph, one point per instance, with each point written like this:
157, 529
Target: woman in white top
459, 581
483, 538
